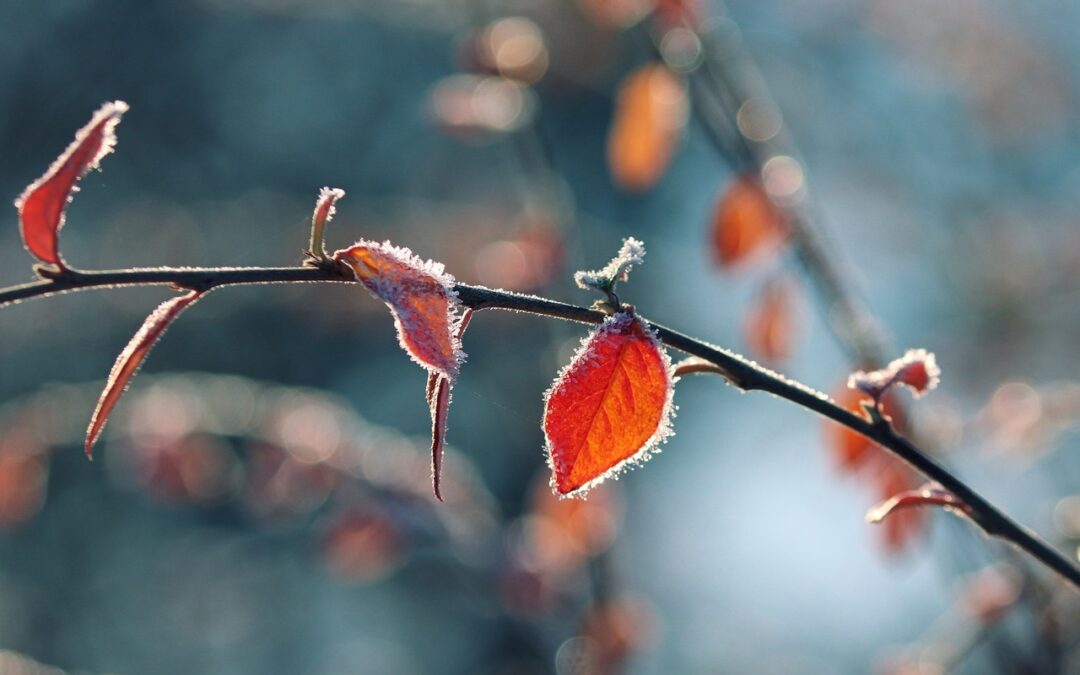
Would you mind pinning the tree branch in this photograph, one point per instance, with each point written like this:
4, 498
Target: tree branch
741, 372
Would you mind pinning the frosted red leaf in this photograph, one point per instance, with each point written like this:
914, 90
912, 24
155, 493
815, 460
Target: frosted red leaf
917, 370
771, 322
127, 364
746, 224
41, 205
610, 407
650, 112
421, 297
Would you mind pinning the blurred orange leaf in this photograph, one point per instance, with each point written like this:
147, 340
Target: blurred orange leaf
421, 297
850, 449
127, 364
650, 112
610, 407
675, 13
563, 533
41, 205
771, 323
614, 629
363, 546
745, 223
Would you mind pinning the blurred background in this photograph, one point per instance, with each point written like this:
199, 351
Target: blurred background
260, 502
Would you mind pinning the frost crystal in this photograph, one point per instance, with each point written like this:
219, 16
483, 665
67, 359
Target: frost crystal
632, 253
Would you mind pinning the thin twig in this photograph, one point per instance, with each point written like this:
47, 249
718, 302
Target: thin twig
740, 371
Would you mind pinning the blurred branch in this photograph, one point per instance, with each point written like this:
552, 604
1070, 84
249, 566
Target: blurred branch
741, 372
727, 80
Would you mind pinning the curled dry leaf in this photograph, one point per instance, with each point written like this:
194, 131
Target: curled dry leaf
746, 223
610, 407
650, 112
771, 322
694, 365
421, 297
127, 364
438, 398
325, 208
41, 205
930, 494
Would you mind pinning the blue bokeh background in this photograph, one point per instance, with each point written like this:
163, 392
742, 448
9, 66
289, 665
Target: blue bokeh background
941, 142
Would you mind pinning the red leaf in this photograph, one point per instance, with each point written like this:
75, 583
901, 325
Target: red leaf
41, 205
746, 223
917, 370
421, 297
610, 407
770, 323
127, 364
650, 112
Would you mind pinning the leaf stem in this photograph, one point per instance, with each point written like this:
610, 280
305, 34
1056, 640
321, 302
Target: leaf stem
738, 370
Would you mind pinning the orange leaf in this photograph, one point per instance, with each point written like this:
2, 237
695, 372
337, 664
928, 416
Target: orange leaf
610, 407
127, 364
421, 297
770, 323
850, 449
41, 205
746, 223
650, 112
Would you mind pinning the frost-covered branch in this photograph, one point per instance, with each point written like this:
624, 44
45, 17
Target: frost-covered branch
741, 372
